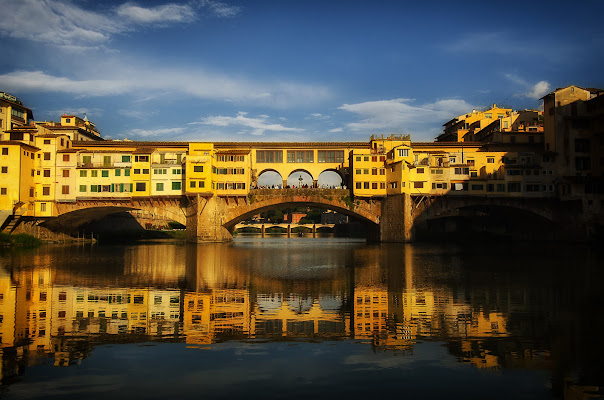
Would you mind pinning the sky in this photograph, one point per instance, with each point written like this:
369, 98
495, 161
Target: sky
288, 70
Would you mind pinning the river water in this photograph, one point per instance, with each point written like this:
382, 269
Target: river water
302, 318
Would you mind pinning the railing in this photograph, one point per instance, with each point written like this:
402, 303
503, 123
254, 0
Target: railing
119, 164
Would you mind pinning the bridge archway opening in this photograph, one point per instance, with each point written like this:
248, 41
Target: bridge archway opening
330, 179
300, 178
367, 226
489, 221
269, 178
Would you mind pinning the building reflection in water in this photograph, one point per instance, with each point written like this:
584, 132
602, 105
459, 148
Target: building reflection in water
61, 303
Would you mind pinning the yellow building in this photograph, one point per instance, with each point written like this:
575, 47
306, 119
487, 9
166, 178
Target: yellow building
12, 115
462, 128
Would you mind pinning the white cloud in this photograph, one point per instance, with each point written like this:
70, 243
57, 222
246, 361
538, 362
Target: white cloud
159, 14
220, 9
67, 25
539, 90
401, 116
532, 91
155, 132
336, 130
140, 81
55, 22
258, 125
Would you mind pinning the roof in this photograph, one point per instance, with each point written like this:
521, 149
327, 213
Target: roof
16, 142
591, 90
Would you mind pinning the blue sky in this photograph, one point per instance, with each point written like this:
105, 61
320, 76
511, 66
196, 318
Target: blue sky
291, 70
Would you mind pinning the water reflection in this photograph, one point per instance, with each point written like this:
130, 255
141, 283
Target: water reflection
59, 303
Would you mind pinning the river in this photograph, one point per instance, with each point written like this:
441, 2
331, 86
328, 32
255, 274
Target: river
302, 317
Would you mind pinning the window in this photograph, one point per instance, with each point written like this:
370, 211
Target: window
357, 171
82, 188
374, 185
105, 173
65, 173
43, 207
46, 173
94, 173
125, 158
462, 171
477, 187
3, 191
198, 168
403, 152
176, 171
46, 191
365, 185
358, 185
146, 171
83, 173
420, 170
382, 185
176, 185
137, 171
473, 174
65, 157
202, 184
382, 171
141, 186
118, 172
46, 141
269, 156
65, 189
330, 156
418, 185
374, 171
501, 187
192, 184
47, 156
470, 162
300, 156
126, 172
5, 151
141, 158
490, 160
5, 170
159, 187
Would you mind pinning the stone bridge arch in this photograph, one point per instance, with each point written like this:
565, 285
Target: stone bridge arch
71, 216
213, 218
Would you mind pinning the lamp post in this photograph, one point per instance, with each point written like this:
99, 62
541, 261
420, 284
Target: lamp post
300, 179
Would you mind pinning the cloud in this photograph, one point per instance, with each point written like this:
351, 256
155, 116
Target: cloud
155, 132
65, 24
258, 125
402, 115
539, 90
159, 14
55, 22
533, 91
220, 9
336, 130
143, 82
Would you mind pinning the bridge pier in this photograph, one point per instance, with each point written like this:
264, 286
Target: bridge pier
289, 230
205, 220
262, 230
396, 222
314, 230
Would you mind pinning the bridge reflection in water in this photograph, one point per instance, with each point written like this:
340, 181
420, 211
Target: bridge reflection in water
391, 297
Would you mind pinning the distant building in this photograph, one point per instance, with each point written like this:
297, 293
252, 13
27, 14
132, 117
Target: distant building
293, 218
332, 217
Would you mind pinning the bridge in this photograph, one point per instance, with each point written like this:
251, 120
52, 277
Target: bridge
393, 185
262, 227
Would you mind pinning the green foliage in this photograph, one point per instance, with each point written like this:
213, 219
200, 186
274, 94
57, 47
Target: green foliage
19, 240
251, 197
347, 200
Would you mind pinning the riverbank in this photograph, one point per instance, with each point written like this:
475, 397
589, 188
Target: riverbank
19, 240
